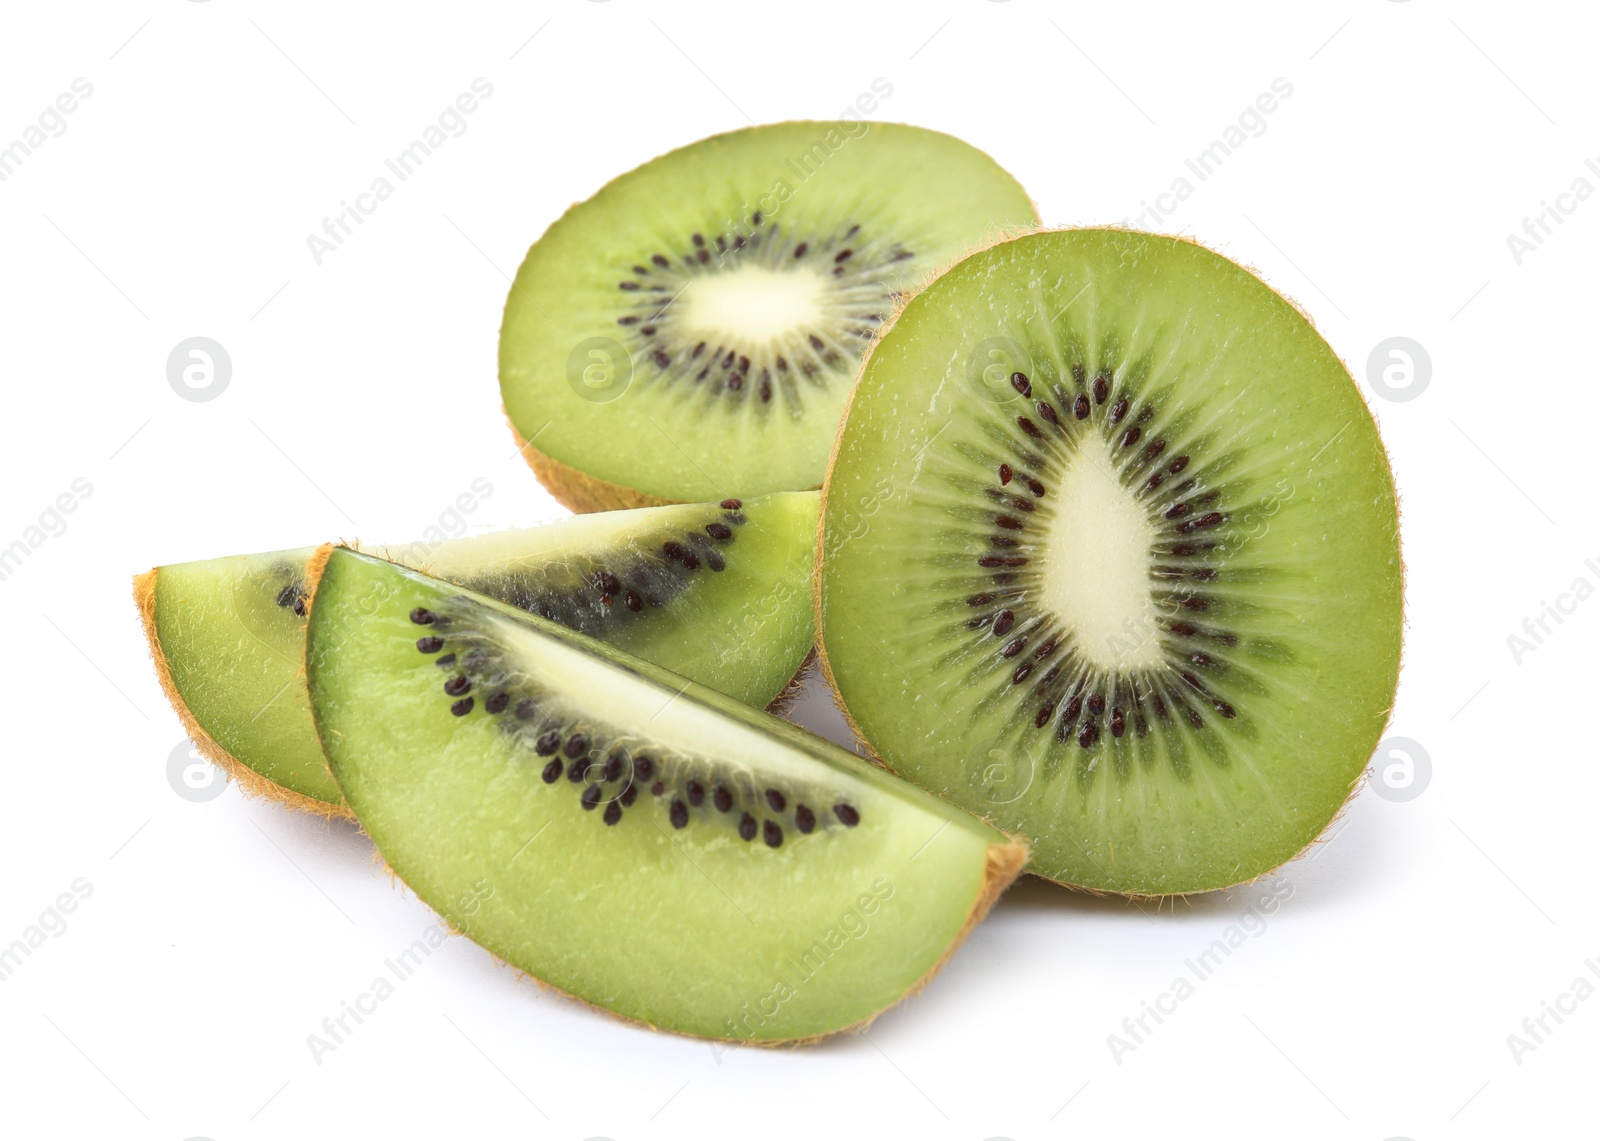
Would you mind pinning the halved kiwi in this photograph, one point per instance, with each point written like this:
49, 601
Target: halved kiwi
691, 331
623, 834
1110, 555
715, 591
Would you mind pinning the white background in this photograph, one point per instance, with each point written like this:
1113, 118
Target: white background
177, 1002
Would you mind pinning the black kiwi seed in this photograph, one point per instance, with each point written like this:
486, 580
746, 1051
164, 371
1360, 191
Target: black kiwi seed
552, 772
635, 603
1002, 623
607, 582
731, 504
657, 789
804, 819
1080, 407
1019, 381
431, 644
1102, 389
643, 767
591, 797
719, 531
747, 827
629, 795
446, 662
577, 770
690, 561
722, 798
462, 708
1005, 474
422, 616
577, 745
696, 792
771, 834
847, 815
679, 814
546, 745
613, 813
614, 763
715, 561
457, 685
776, 800
497, 703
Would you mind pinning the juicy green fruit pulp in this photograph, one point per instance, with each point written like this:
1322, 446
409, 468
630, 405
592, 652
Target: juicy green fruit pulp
650, 903
234, 641
691, 331
1162, 641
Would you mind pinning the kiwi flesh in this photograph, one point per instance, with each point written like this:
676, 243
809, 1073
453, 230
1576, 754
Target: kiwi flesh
691, 331
1109, 555
715, 591
624, 834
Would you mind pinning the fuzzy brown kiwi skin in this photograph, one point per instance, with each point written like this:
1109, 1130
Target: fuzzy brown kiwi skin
250, 782
1003, 863
575, 490
866, 748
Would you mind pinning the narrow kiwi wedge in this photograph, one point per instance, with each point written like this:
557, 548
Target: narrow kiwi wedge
692, 330
623, 834
714, 591
1110, 556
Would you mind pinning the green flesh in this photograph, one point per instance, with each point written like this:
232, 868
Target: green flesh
647, 905
234, 643
1246, 647
622, 366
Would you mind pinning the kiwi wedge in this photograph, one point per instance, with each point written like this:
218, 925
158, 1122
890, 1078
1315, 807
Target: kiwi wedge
714, 591
1109, 555
624, 834
691, 331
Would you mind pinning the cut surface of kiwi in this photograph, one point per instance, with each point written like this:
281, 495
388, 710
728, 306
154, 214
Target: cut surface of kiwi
623, 834
715, 591
691, 331
1110, 556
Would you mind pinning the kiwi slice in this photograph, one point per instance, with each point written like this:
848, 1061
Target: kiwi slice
1110, 555
692, 330
714, 591
624, 834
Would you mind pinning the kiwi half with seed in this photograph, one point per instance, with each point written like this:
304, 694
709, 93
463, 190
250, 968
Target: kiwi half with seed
715, 591
1109, 554
623, 834
691, 331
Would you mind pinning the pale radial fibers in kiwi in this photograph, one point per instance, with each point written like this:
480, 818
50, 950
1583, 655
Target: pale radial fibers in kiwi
691, 331
623, 834
1110, 556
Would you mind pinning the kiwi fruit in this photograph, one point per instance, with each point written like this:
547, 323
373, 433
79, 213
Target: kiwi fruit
623, 834
714, 591
691, 331
1109, 555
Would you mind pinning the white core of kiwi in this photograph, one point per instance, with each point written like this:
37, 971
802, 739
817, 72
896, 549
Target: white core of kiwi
1097, 575
752, 305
